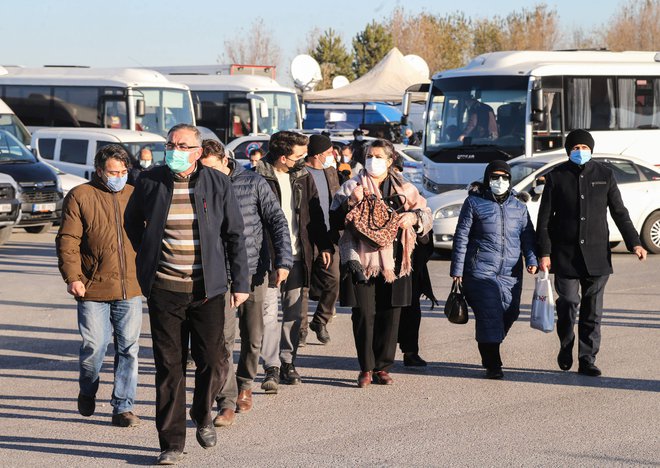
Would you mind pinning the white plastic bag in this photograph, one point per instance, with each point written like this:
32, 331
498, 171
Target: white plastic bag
543, 304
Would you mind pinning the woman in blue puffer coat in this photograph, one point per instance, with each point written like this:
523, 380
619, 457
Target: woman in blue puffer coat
494, 232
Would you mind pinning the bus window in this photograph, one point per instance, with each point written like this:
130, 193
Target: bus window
282, 113
239, 117
114, 114
163, 109
214, 111
82, 101
548, 135
639, 102
590, 103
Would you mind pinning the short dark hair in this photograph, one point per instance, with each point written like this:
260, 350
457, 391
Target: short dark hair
213, 148
192, 128
282, 143
112, 151
254, 151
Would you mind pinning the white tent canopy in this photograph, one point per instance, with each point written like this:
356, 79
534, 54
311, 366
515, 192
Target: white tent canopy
385, 82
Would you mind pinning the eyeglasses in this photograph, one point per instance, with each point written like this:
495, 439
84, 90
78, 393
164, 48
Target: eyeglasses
495, 177
180, 146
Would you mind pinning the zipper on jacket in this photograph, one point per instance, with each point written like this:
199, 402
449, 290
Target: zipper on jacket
502, 237
120, 246
199, 230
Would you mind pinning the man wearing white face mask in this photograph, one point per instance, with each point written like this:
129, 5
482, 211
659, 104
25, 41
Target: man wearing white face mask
97, 262
574, 245
324, 285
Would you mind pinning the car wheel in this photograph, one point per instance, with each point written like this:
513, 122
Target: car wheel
5, 233
39, 229
651, 233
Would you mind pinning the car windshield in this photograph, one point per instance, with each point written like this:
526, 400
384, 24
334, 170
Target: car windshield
12, 150
477, 111
415, 153
157, 149
521, 169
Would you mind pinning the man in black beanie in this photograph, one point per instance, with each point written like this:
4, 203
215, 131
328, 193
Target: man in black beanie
573, 243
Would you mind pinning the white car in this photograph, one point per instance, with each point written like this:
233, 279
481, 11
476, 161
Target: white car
413, 169
67, 181
638, 182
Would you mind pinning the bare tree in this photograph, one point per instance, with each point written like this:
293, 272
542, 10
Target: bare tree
535, 29
636, 26
255, 46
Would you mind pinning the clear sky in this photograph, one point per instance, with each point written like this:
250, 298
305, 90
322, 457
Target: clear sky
193, 32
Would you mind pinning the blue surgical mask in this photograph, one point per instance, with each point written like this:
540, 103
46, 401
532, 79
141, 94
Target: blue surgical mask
580, 156
117, 184
177, 161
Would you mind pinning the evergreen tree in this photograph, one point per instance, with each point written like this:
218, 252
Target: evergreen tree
333, 58
370, 46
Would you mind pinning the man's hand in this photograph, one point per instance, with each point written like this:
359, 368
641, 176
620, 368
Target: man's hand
640, 252
357, 195
326, 258
281, 274
237, 299
76, 289
531, 269
407, 220
457, 279
544, 264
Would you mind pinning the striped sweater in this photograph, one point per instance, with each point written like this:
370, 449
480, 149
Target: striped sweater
180, 265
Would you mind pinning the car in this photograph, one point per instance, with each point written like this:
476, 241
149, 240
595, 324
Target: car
10, 206
241, 146
72, 150
413, 169
38, 186
638, 182
67, 181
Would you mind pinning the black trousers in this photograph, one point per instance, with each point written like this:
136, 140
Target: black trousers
411, 319
174, 317
375, 324
324, 288
490, 355
590, 306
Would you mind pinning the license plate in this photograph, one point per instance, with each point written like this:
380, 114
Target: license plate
43, 207
5, 208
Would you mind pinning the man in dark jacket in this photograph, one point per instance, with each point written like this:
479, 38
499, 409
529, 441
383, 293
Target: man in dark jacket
263, 219
574, 242
97, 263
324, 286
187, 227
284, 170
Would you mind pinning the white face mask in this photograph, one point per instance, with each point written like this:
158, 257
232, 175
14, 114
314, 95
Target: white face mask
346, 159
329, 162
376, 167
145, 163
499, 186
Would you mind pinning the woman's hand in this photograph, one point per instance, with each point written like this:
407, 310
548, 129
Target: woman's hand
457, 279
531, 269
407, 220
357, 195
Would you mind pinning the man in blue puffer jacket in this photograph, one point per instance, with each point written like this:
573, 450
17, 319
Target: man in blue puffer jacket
263, 219
493, 230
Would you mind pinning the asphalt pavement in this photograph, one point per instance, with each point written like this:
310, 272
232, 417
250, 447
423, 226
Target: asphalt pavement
446, 414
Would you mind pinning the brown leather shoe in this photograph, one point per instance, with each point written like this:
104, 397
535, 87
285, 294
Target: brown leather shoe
383, 378
244, 401
225, 418
127, 419
364, 379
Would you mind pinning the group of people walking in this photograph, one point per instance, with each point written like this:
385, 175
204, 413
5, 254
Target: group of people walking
212, 246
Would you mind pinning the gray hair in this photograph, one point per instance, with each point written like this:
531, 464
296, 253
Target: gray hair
191, 128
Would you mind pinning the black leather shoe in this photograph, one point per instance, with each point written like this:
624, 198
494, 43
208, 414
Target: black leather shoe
494, 373
169, 457
413, 360
206, 435
271, 380
321, 332
288, 374
591, 370
565, 358
86, 405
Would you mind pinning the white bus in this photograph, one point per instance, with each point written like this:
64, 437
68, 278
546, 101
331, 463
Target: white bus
126, 98
507, 104
236, 105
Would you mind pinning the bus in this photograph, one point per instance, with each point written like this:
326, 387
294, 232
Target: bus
507, 104
125, 98
238, 104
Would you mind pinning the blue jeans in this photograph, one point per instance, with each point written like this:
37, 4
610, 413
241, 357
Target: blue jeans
96, 322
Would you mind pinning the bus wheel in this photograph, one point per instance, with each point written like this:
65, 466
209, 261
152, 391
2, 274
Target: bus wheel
651, 233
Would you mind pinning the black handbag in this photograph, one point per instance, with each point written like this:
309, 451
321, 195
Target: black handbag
456, 308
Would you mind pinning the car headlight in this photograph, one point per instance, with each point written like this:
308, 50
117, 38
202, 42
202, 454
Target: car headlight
451, 211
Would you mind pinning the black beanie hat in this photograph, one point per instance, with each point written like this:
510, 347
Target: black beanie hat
497, 165
579, 137
318, 144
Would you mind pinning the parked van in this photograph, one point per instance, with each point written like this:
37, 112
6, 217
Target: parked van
10, 207
12, 124
72, 150
38, 187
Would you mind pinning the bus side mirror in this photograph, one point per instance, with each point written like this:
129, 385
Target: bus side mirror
537, 106
303, 111
263, 110
198, 111
140, 109
405, 108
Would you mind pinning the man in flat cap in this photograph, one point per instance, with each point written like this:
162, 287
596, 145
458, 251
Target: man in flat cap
573, 241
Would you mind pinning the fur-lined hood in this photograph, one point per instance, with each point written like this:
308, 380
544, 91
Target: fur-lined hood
477, 188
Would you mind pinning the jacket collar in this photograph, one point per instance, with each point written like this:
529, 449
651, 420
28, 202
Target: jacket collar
266, 169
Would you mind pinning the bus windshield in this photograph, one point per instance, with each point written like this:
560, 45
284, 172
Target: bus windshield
476, 111
282, 113
164, 108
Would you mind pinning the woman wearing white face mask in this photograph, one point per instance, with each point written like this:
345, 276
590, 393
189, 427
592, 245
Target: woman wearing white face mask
493, 233
376, 283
